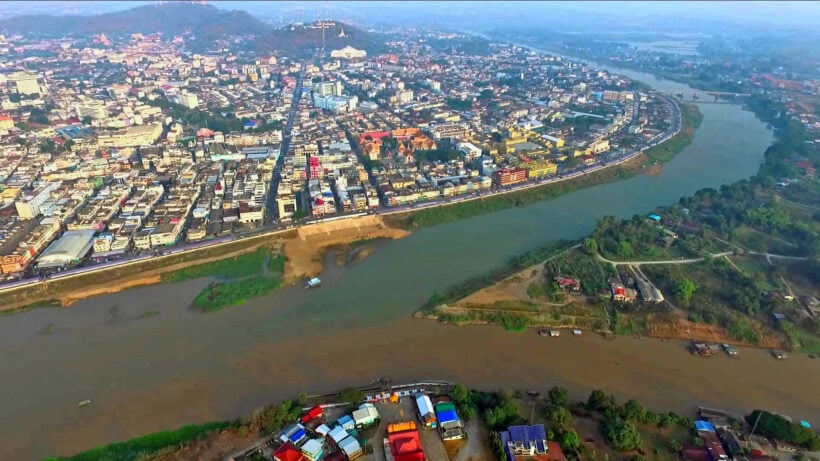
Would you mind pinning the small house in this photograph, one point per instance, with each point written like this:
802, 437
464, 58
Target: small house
346, 422
366, 415
351, 448
313, 448
426, 413
337, 434
294, 434
568, 283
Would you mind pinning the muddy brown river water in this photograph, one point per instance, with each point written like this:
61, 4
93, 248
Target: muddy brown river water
148, 373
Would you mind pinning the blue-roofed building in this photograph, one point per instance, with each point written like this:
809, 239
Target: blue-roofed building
654, 217
294, 433
524, 440
346, 422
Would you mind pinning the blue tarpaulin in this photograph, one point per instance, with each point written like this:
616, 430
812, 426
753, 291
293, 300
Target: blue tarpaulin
805, 424
447, 416
704, 426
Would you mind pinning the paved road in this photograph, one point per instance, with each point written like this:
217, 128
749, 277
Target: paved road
697, 260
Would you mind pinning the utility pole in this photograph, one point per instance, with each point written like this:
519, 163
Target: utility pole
759, 414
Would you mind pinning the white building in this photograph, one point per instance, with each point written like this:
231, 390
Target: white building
28, 206
336, 104
189, 100
348, 52
333, 88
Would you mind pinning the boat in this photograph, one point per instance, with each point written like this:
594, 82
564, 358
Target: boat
731, 350
780, 355
84, 403
312, 283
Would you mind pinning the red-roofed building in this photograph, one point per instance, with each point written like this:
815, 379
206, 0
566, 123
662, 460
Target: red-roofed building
375, 134
807, 168
406, 445
313, 413
288, 452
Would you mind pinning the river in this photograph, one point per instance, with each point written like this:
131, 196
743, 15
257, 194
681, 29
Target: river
146, 373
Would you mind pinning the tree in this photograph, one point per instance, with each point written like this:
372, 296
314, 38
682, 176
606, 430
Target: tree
351, 395
459, 393
624, 249
633, 411
684, 289
570, 441
48, 146
558, 416
590, 246
599, 401
558, 396
621, 435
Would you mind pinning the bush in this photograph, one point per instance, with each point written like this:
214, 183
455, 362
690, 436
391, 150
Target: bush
219, 295
778, 427
621, 435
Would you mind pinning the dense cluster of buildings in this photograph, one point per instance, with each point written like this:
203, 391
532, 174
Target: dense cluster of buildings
140, 144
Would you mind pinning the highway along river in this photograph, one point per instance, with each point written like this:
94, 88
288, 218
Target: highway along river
146, 373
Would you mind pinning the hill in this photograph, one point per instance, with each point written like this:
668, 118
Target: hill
207, 23
304, 40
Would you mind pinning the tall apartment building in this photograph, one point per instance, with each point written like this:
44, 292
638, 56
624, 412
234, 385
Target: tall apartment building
333, 88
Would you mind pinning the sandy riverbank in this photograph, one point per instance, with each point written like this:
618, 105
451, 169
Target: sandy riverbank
304, 252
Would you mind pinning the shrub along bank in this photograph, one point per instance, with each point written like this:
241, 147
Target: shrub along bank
219, 295
141, 447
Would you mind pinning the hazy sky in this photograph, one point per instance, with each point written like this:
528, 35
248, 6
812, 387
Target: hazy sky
561, 14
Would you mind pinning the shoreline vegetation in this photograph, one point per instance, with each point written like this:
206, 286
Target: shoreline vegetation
584, 429
647, 162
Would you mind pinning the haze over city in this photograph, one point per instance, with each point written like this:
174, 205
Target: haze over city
409, 231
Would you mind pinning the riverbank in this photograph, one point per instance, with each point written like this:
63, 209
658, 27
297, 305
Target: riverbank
306, 250
523, 300
303, 248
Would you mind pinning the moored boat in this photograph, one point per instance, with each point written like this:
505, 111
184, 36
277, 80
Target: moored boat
312, 283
